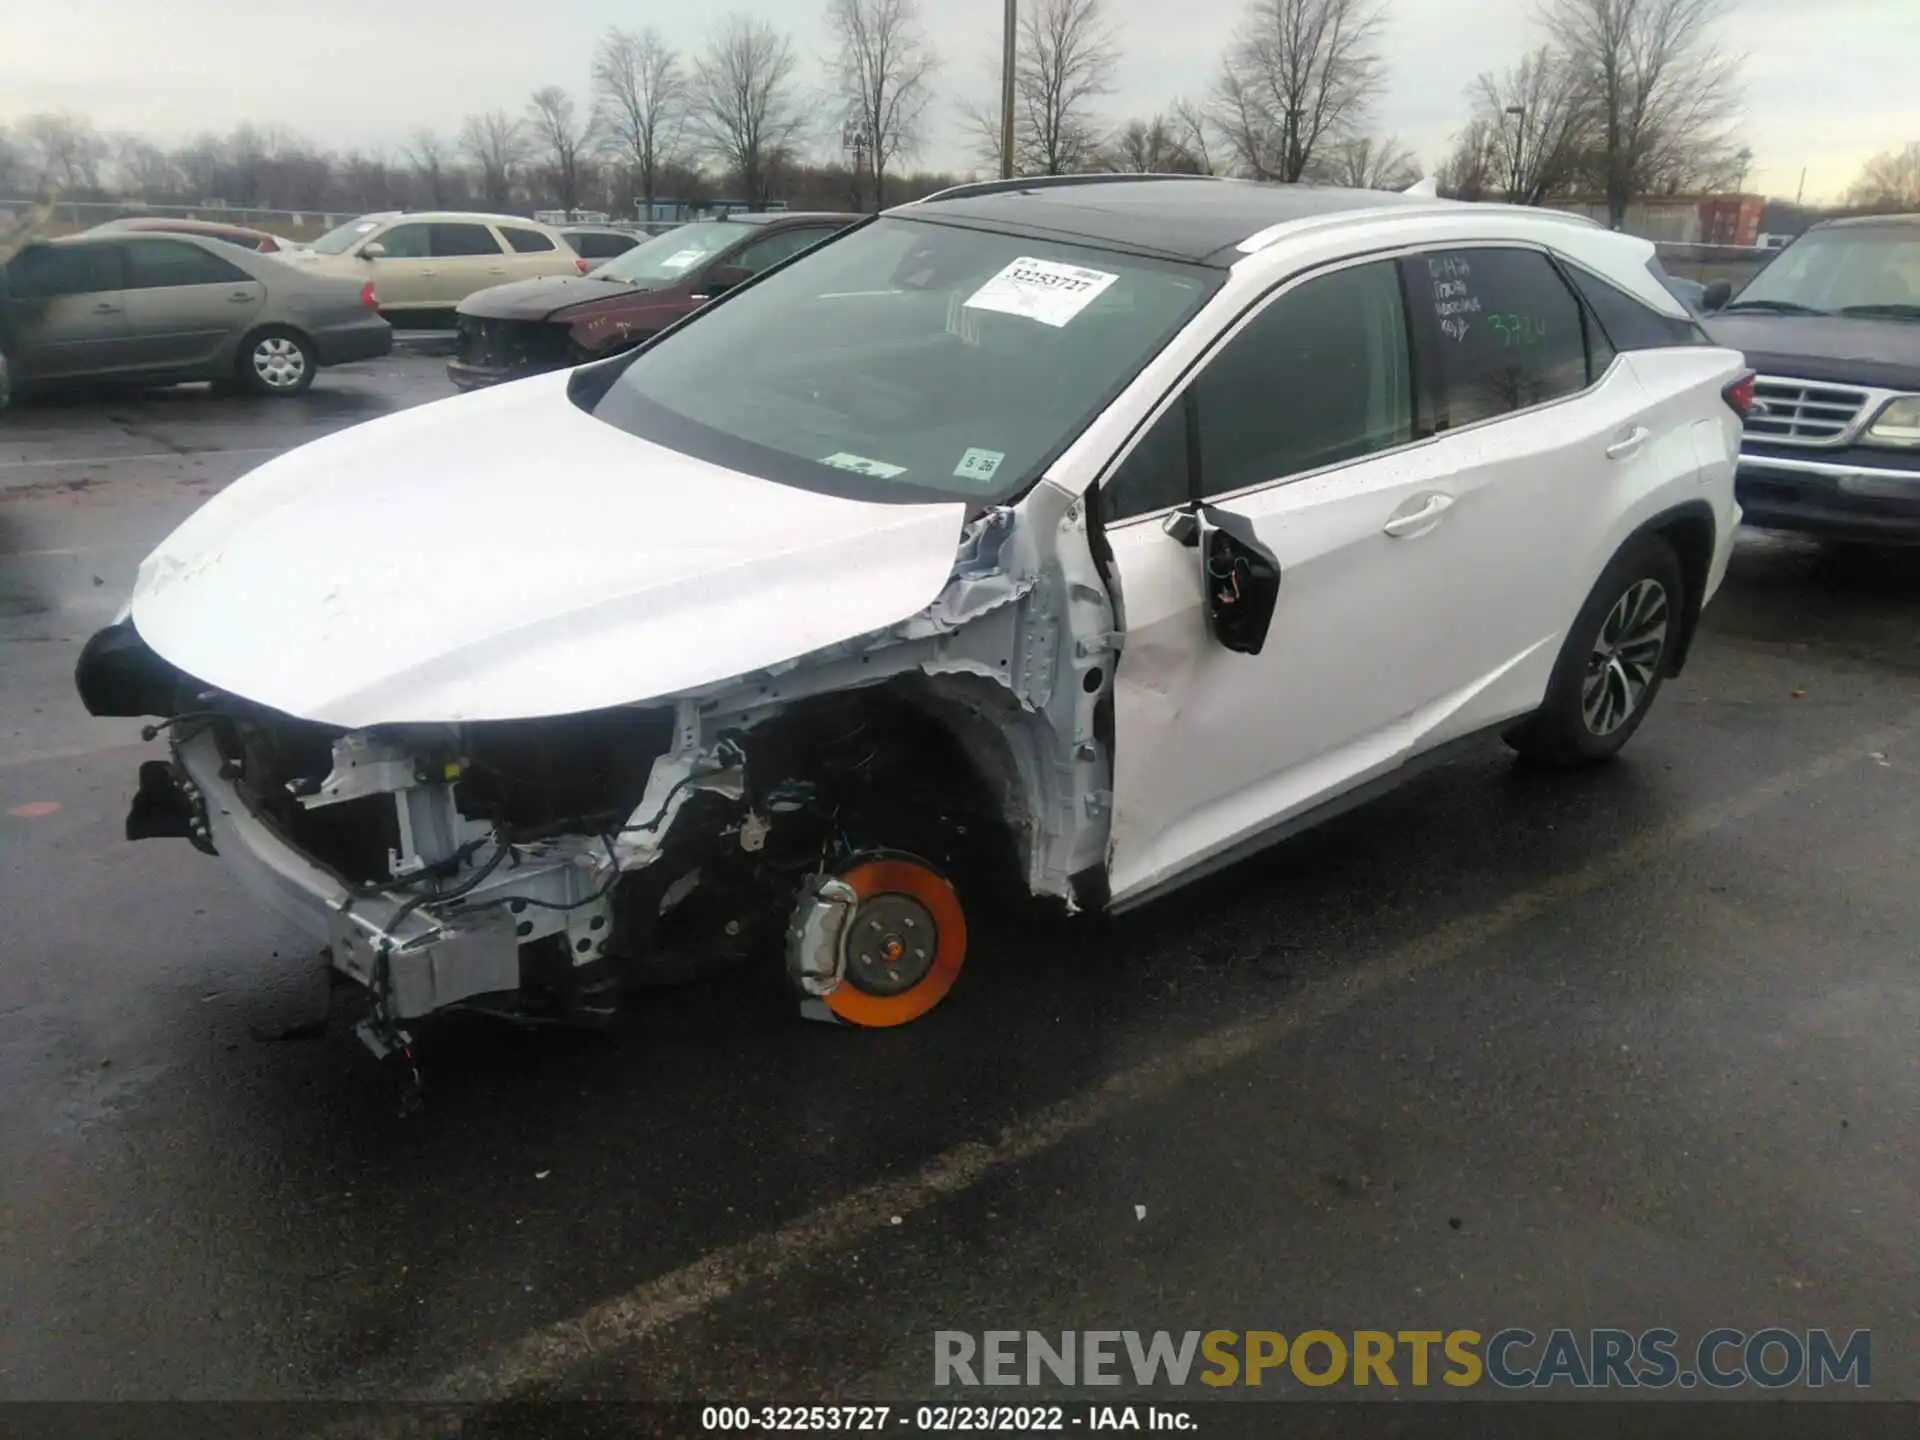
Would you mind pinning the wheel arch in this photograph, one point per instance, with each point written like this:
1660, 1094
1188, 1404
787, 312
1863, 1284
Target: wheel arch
1692, 531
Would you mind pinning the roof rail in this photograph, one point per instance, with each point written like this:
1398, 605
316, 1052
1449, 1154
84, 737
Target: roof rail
1044, 182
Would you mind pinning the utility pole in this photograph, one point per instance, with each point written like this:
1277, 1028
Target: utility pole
1519, 113
1009, 44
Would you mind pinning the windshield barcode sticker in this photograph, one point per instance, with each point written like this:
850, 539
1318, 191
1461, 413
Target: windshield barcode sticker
1043, 290
861, 465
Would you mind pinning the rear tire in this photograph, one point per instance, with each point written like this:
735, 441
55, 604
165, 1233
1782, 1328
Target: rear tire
277, 361
1615, 656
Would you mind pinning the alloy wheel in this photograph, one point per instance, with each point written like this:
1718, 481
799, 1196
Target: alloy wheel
1625, 657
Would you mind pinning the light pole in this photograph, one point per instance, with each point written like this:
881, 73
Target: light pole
1006, 89
1519, 113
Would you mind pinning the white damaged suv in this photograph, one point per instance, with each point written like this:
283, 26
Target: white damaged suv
1080, 535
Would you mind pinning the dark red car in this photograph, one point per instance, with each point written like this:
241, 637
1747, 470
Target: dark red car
511, 331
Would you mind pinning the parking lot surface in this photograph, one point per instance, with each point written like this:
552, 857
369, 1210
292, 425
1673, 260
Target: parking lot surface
1634, 1048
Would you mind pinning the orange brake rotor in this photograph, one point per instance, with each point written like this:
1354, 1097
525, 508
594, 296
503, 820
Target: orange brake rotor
873, 880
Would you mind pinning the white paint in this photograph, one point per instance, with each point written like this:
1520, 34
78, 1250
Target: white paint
1382, 648
1049, 291
503, 554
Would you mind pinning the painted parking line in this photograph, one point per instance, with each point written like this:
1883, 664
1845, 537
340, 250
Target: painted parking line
148, 457
551, 1352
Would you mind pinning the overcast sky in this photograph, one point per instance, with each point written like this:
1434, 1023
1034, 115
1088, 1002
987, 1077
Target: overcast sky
1824, 88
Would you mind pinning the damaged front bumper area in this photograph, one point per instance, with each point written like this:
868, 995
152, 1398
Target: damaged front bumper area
463, 914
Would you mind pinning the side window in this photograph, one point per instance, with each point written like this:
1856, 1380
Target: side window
162, 264
1319, 376
456, 238
42, 272
1629, 324
595, 246
1500, 329
407, 242
1154, 474
525, 242
765, 254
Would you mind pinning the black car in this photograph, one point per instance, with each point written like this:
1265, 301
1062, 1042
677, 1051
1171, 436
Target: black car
1832, 325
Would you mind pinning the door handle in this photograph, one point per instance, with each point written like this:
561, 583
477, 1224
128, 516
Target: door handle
1432, 507
105, 307
240, 297
1629, 443
496, 270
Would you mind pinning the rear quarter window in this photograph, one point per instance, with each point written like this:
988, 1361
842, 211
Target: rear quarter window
526, 242
1629, 323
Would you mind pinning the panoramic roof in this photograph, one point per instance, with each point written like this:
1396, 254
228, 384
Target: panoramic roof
1183, 218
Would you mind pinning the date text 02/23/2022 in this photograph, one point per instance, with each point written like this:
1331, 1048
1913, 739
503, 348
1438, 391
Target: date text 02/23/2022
942, 1419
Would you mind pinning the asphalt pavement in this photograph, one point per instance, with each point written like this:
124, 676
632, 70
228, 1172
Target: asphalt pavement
1629, 1049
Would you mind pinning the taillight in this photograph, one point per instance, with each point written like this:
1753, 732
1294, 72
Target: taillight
582, 266
366, 296
1739, 395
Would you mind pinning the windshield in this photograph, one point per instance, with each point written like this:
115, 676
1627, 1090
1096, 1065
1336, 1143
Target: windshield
1848, 269
339, 239
908, 361
666, 258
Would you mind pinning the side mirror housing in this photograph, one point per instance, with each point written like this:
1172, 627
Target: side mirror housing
1717, 296
723, 278
373, 250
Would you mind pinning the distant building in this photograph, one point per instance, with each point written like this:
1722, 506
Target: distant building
1683, 219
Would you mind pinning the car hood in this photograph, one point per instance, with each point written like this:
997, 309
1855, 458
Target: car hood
1839, 349
504, 555
540, 299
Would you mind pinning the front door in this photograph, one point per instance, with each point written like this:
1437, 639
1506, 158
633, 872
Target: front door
405, 274
67, 311
184, 303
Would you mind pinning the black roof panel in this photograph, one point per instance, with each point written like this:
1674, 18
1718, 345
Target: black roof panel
1177, 217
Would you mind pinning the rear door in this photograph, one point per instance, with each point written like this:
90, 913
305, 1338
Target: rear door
1547, 432
467, 256
67, 311
185, 304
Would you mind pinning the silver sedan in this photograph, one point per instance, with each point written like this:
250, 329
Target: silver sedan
152, 309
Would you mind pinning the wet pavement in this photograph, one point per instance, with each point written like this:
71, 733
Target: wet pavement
1630, 1049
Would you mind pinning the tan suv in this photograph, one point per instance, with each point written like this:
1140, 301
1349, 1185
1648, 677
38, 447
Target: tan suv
424, 263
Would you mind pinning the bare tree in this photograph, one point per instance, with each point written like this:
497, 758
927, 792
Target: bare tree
561, 138
143, 170
1470, 171
1298, 75
883, 69
1190, 126
640, 104
742, 103
1362, 163
1150, 147
427, 153
1890, 181
496, 143
1065, 59
1539, 120
63, 151
1664, 87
